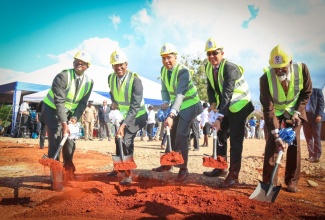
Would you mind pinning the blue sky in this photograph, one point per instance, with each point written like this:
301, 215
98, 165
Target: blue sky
36, 33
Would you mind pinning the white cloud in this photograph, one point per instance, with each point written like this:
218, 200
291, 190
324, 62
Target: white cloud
116, 20
6, 75
189, 24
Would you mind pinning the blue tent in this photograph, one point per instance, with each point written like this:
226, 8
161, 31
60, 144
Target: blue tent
13, 91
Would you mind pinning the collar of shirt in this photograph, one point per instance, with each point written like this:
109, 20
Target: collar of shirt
123, 77
217, 66
289, 76
78, 77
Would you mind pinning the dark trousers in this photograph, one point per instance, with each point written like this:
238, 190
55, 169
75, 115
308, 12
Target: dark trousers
105, 129
54, 135
233, 126
42, 135
150, 131
293, 160
127, 143
179, 137
195, 135
312, 135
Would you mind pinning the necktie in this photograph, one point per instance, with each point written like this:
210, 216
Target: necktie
77, 88
119, 83
104, 108
215, 73
77, 84
284, 84
169, 74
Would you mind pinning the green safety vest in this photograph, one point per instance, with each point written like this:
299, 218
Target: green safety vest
72, 100
123, 97
191, 96
241, 95
282, 102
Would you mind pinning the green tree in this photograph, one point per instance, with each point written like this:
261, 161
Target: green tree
197, 64
5, 114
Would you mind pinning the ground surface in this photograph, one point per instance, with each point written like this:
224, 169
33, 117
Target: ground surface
25, 187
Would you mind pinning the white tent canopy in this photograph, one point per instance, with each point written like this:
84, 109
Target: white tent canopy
39, 96
45, 76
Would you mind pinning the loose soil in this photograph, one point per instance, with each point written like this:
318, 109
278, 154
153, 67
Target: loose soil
25, 191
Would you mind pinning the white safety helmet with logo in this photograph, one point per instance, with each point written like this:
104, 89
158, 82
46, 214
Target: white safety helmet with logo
117, 57
83, 56
211, 45
168, 48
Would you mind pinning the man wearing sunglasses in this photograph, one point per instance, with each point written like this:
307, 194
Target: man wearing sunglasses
227, 88
285, 90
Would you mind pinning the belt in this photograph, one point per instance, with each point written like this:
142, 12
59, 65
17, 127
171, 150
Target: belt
309, 113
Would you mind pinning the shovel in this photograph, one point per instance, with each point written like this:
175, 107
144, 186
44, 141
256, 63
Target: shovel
170, 157
123, 162
215, 161
52, 162
268, 192
56, 167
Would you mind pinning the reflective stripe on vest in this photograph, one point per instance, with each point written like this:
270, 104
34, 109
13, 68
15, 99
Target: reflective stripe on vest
123, 97
191, 96
241, 95
70, 104
281, 101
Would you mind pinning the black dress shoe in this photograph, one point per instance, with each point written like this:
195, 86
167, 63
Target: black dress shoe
230, 181
216, 172
112, 173
182, 175
162, 169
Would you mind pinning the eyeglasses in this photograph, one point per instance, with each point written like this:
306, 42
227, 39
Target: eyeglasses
80, 62
214, 53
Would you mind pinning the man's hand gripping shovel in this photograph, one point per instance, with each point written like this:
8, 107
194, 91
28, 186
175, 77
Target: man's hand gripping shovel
268, 192
123, 162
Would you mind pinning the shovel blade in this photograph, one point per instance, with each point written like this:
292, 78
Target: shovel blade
117, 159
261, 193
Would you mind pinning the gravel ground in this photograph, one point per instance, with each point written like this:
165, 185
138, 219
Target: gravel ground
147, 156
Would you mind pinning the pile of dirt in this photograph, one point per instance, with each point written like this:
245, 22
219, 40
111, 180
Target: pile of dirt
25, 187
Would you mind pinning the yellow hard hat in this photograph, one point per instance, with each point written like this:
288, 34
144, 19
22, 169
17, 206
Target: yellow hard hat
212, 45
117, 57
168, 48
280, 57
84, 56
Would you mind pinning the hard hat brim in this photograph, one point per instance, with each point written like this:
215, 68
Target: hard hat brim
213, 49
281, 65
166, 54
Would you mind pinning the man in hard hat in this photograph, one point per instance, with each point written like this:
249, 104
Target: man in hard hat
227, 87
67, 97
127, 91
285, 89
178, 89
